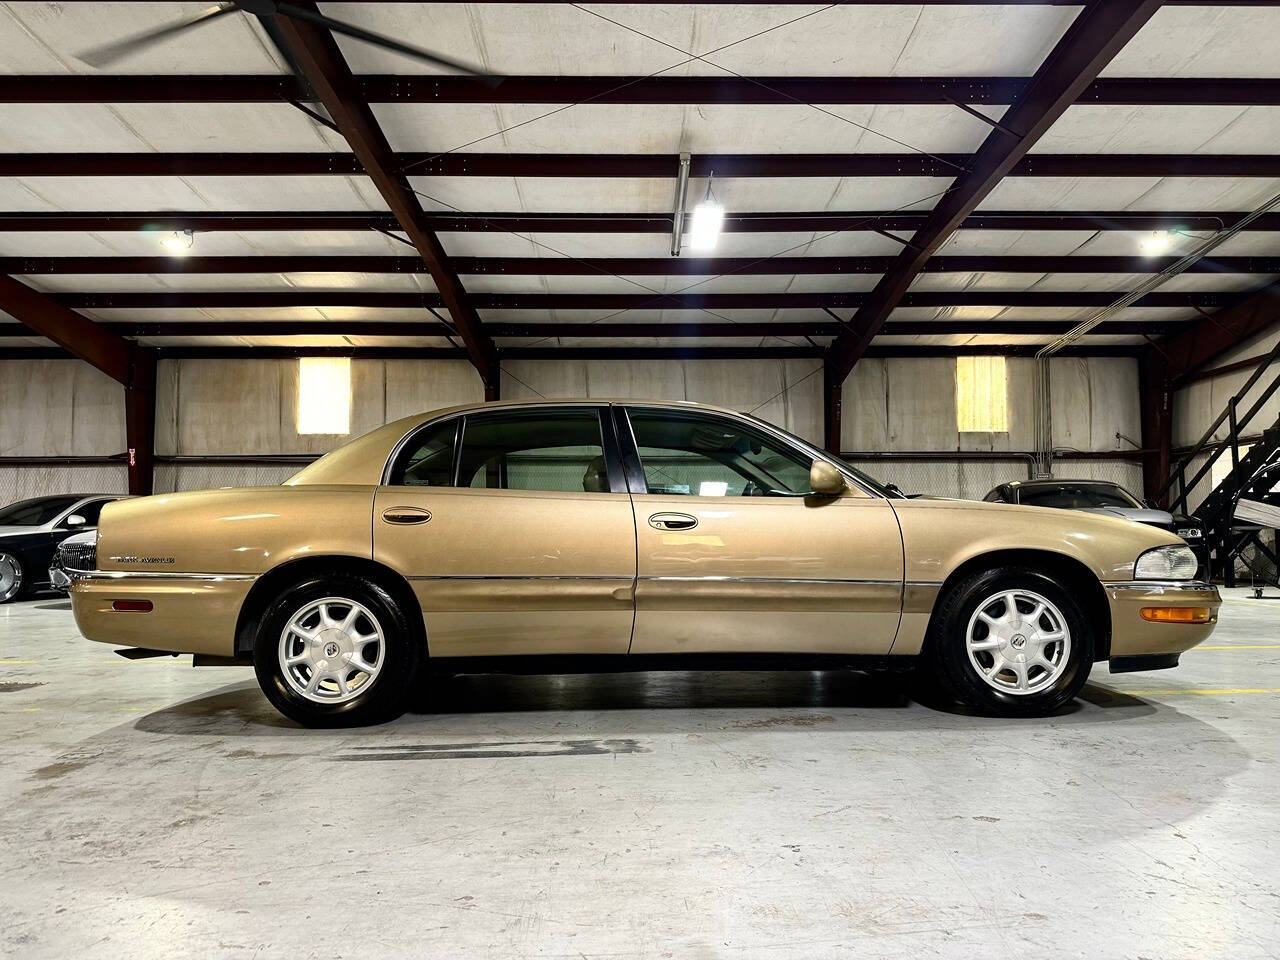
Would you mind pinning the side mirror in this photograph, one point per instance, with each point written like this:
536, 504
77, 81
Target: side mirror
825, 480
75, 520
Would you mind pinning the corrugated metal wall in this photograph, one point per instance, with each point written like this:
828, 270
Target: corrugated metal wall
221, 408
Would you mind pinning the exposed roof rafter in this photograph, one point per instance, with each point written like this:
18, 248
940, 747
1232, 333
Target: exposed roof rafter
1210, 337
319, 58
109, 352
1096, 35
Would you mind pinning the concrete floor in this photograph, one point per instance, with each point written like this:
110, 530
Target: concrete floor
148, 809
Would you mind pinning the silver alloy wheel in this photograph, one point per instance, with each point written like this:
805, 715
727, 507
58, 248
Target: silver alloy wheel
10, 577
1018, 641
331, 650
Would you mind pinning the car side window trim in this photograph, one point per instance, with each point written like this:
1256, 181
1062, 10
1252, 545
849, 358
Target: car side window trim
609, 444
632, 467
405, 446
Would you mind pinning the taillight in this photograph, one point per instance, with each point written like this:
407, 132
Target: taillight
134, 606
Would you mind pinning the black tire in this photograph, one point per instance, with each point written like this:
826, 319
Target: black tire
949, 655
383, 698
12, 576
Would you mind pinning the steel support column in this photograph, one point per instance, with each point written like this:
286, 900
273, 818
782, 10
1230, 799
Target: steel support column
140, 422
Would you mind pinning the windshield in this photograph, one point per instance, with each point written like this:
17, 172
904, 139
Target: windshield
34, 513
1077, 496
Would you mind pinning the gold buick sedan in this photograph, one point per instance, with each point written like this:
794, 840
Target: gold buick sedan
589, 535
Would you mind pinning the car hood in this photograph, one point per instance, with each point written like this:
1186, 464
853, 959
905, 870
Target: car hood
1159, 518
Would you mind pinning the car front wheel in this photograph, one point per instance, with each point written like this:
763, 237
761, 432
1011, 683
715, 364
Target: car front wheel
336, 651
1012, 642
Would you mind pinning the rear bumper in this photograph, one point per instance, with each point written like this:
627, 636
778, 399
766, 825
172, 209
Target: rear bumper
1138, 644
190, 614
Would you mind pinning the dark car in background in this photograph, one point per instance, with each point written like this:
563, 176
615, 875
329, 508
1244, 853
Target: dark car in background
30, 531
1099, 496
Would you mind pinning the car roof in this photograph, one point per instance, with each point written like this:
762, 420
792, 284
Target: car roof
362, 459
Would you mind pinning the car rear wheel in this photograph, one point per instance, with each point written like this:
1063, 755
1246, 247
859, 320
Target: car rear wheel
1011, 641
11, 577
336, 651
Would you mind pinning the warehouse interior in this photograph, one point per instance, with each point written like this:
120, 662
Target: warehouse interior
956, 244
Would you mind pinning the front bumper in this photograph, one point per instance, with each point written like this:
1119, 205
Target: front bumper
189, 614
1138, 644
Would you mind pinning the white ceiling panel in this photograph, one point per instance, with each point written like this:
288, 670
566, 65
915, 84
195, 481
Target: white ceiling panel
974, 281
52, 194
850, 40
1129, 243
190, 193
307, 340
1190, 41
162, 127
672, 128
1114, 128
219, 243
1219, 282
639, 315
1024, 243
1207, 193
1068, 193
1251, 244
850, 243
654, 195
47, 37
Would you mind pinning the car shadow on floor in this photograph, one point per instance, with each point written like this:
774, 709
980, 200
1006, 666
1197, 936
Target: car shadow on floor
650, 703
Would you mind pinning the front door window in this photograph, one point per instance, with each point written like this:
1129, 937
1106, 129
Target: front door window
697, 456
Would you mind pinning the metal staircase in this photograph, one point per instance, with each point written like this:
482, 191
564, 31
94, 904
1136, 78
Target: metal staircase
1251, 476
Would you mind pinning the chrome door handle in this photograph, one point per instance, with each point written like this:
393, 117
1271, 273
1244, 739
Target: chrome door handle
672, 521
406, 515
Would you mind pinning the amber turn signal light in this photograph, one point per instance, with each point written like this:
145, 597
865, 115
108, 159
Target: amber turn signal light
1176, 614
134, 606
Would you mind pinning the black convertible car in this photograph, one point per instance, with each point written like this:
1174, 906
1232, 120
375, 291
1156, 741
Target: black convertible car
30, 531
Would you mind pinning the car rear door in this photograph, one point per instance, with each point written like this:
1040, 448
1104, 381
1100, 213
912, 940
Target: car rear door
515, 531
733, 556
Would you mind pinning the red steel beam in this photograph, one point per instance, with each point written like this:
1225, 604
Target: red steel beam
626, 165
533, 89
107, 351
762, 222
621, 301
619, 266
318, 57
120, 359
602, 331
1094, 38
1212, 336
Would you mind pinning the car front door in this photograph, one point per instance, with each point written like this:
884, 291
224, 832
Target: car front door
735, 553
515, 531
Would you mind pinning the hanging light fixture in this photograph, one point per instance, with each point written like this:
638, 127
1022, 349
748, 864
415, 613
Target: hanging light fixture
178, 242
1157, 243
708, 218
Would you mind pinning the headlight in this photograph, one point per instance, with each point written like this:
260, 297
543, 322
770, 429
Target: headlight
1166, 563
1189, 533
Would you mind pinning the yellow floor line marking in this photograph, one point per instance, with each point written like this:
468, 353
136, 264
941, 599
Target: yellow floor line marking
1207, 692
5, 662
1240, 646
